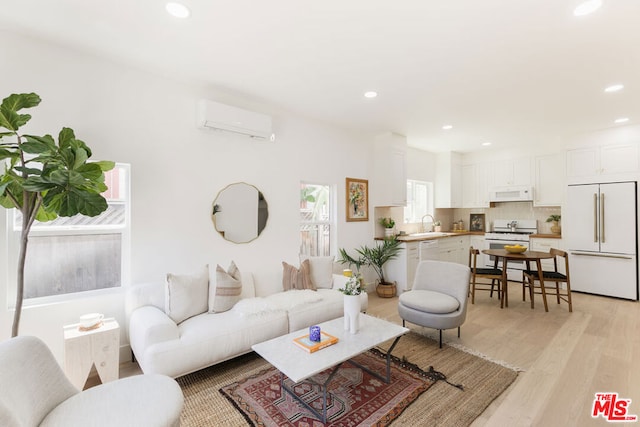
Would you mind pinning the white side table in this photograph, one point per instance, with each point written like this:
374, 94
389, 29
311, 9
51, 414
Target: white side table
99, 347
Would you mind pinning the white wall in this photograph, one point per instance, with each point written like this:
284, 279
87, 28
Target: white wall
132, 116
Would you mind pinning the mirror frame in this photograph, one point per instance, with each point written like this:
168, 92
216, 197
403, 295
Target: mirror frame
215, 208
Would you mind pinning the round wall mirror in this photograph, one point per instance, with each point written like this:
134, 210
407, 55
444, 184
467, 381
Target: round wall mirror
240, 212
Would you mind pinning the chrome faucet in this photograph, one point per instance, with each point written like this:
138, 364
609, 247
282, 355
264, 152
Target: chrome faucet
432, 221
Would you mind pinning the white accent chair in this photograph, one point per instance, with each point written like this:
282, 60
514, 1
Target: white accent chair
438, 298
35, 392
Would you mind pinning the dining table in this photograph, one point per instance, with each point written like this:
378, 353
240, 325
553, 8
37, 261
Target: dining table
528, 257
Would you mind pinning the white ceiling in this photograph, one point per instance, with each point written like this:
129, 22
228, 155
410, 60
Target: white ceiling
506, 71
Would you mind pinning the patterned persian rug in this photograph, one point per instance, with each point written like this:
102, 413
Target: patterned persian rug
209, 393
355, 398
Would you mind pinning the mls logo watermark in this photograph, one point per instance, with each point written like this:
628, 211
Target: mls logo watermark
612, 408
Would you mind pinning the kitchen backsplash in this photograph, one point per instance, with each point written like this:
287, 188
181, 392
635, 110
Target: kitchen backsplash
510, 210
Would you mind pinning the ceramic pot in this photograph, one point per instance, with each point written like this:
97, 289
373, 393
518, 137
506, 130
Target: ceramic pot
389, 232
351, 313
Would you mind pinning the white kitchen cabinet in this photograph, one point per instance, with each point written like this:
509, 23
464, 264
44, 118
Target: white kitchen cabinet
515, 171
475, 185
390, 170
448, 185
542, 244
454, 249
549, 180
403, 268
478, 243
603, 163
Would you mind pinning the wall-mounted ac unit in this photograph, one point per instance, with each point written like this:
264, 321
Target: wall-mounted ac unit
214, 115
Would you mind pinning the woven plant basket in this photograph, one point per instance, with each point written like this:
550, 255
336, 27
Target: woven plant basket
388, 290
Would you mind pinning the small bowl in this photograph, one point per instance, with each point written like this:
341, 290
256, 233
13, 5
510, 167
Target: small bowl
515, 249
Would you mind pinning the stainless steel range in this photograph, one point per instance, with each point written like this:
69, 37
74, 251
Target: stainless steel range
510, 232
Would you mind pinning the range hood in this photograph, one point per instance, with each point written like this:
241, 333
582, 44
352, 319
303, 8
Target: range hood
514, 193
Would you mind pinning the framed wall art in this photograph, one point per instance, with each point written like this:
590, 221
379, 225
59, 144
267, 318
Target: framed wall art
357, 199
476, 222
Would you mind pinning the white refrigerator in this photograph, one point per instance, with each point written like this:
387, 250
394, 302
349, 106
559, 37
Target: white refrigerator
600, 227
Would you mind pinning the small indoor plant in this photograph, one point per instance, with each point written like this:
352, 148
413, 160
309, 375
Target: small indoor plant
555, 228
353, 287
388, 224
437, 226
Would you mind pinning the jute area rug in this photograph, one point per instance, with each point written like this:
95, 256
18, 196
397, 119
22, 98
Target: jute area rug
441, 405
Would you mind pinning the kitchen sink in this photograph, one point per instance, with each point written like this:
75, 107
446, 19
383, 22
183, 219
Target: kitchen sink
429, 234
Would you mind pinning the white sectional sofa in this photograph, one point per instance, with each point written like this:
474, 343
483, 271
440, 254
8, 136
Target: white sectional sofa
162, 346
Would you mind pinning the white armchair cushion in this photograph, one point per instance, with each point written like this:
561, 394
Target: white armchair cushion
430, 302
321, 270
186, 296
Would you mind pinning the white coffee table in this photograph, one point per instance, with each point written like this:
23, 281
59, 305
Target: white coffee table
299, 365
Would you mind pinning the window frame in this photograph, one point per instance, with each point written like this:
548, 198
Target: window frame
330, 222
13, 246
430, 206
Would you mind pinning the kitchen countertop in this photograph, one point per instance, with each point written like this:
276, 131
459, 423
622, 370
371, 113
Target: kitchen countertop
408, 238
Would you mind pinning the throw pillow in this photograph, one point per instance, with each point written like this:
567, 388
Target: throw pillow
227, 291
294, 278
186, 296
321, 268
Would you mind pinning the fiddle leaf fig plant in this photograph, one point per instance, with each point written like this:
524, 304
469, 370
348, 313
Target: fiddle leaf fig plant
44, 179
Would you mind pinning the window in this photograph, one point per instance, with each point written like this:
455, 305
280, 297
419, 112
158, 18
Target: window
315, 219
79, 253
419, 201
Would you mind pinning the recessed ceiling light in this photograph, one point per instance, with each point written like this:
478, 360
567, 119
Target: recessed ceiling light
486, 144
614, 88
178, 10
621, 120
587, 7
370, 94
447, 127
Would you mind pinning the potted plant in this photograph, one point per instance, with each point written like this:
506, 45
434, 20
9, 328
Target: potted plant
44, 179
376, 257
388, 224
437, 226
352, 290
555, 228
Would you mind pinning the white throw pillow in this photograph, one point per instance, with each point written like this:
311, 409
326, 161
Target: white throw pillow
186, 296
227, 290
321, 270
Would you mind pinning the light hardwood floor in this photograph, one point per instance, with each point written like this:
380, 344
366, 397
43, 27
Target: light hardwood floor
566, 357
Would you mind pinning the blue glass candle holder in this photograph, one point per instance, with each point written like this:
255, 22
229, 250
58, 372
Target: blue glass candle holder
314, 333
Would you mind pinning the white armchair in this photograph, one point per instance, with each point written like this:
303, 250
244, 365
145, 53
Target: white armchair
35, 392
438, 298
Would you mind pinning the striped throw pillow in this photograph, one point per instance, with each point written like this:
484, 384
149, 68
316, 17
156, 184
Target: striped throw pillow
228, 289
294, 278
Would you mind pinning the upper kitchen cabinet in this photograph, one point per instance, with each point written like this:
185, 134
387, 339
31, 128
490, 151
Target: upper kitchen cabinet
448, 183
390, 170
509, 172
602, 163
475, 185
549, 180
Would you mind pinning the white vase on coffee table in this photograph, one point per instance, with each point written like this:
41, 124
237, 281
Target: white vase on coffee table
351, 313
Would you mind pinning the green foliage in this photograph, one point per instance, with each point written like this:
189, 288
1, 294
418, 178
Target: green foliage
345, 258
553, 218
375, 256
387, 222
44, 179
